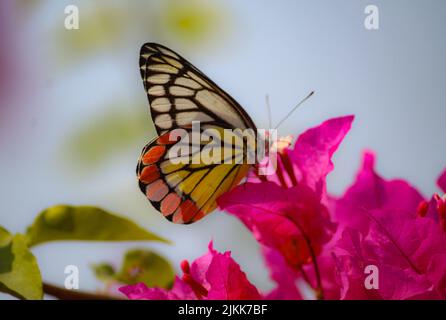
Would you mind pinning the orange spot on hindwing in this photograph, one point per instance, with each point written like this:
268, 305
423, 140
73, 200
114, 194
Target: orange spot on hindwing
153, 155
157, 190
186, 212
170, 204
149, 174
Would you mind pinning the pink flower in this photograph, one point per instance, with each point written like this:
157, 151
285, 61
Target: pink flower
312, 239
213, 276
309, 161
284, 276
286, 211
405, 254
371, 192
434, 209
312, 153
293, 220
395, 280
379, 226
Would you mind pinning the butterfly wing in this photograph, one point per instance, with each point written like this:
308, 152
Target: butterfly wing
184, 192
179, 94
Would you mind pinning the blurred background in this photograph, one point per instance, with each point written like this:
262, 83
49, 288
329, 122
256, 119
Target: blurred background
74, 116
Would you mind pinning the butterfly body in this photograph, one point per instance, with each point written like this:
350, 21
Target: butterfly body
184, 186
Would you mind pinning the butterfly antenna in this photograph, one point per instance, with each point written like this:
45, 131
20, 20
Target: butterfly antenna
268, 108
294, 109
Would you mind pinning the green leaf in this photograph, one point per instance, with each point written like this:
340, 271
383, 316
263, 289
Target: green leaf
5, 237
141, 265
19, 272
87, 223
104, 271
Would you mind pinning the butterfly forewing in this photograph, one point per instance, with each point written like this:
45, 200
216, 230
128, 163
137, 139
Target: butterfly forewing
179, 93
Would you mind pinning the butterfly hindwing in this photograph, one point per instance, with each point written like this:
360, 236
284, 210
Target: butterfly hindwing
183, 192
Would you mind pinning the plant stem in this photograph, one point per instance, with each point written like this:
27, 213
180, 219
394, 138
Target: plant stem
65, 294
319, 289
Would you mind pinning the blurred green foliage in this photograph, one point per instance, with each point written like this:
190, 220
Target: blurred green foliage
139, 265
117, 130
104, 271
60, 223
100, 27
19, 272
109, 28
106, 25
192, 22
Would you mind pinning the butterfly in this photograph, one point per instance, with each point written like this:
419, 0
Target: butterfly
180, 94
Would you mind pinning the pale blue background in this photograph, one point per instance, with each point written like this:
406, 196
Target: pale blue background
393, 80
